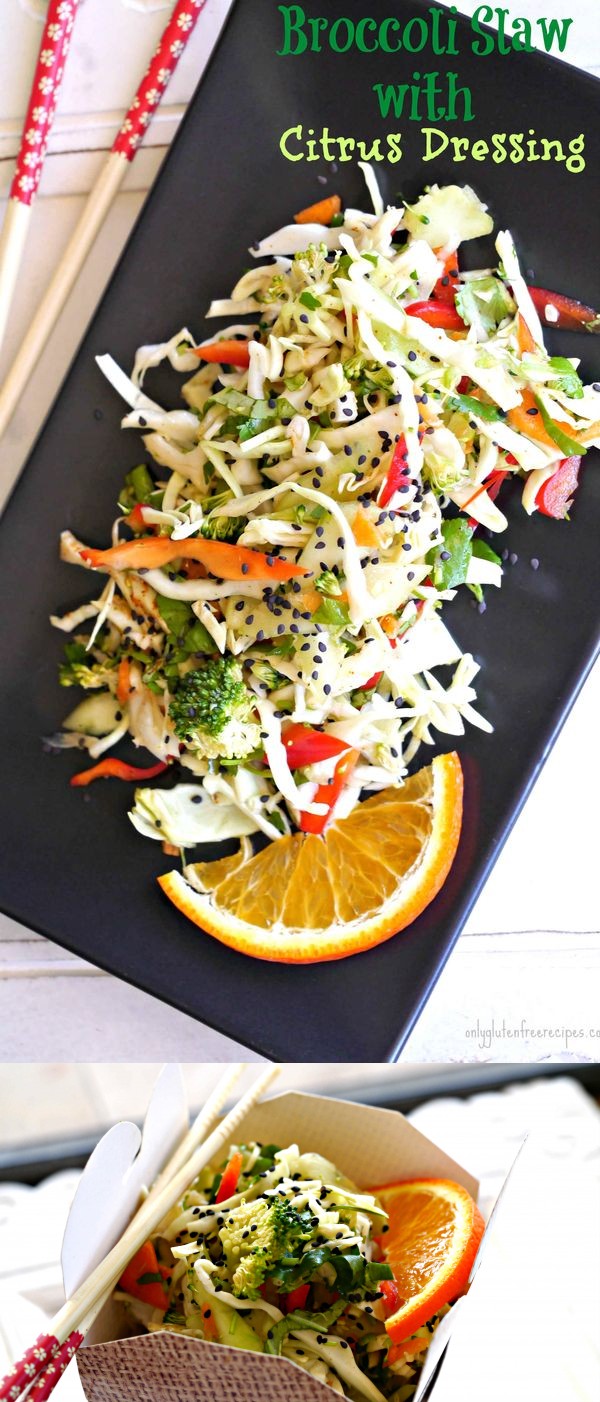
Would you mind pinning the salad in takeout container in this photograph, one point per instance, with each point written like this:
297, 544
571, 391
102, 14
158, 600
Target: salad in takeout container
269, 1322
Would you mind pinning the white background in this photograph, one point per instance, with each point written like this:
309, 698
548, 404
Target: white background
528, 963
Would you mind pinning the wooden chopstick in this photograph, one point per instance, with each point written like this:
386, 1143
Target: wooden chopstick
51, 1354
48, 76
144, 104
204, 1121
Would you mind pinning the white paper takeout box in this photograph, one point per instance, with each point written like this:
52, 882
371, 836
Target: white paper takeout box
372, 1146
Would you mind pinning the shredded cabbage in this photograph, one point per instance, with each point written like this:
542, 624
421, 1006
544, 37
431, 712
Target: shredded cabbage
361, 446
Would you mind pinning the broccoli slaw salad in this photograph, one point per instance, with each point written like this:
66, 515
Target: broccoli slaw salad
277, 1252
271, 611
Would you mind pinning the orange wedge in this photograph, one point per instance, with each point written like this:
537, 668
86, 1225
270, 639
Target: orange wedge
434, 1233
304, 899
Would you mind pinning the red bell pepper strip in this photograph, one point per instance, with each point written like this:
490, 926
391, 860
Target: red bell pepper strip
225, 353
376, 677
135, 518
143, 1264
225, 561
494, 487
230, 1179
446, 318
329, 794
397, 471
296, 1299
566, 313
391, 1296
305, 746
115, 769
446, 285
555, 496
491, 484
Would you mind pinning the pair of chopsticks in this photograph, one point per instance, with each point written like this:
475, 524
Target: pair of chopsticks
48, 76
44, 1363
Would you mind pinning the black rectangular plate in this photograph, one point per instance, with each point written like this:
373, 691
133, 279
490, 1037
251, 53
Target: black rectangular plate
76, 870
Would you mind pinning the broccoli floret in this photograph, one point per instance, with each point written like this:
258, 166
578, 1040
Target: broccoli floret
224, 527
212, 711
265, 673
279, 1232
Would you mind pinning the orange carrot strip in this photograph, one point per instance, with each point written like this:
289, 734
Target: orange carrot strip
116, 769
123, 681
524, 336
320, 213
531, 423
225, 561
225, 353
311, 600
363, 529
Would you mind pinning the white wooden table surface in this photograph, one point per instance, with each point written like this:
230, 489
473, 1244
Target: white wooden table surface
522, 980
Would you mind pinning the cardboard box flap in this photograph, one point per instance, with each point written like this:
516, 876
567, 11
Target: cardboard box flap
370, 1145
123, 1162
170, 1368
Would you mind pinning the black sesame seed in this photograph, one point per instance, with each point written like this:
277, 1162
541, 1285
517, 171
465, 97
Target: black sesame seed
348, 450
412, 355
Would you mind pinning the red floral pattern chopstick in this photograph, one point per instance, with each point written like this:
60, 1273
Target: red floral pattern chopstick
56, 40
159, 70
